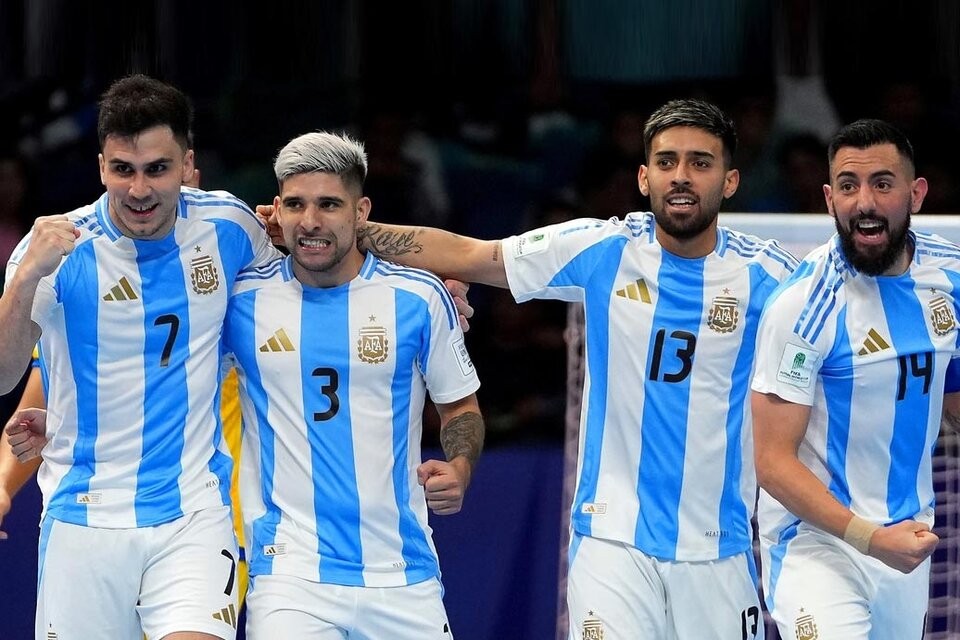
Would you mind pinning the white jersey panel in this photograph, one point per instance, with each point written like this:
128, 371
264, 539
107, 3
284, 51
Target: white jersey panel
665, 456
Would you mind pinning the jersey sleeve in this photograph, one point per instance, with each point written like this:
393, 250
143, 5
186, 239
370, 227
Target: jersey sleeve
786, 364
448, 371
551, 262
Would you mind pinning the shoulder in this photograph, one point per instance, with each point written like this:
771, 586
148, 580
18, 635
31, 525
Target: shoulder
581, 233
936, 251
769, 254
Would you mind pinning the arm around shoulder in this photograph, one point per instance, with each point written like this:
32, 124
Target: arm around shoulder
442, 252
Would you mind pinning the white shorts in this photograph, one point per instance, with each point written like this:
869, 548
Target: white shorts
616, 591
820, 587
281, 606
123, 583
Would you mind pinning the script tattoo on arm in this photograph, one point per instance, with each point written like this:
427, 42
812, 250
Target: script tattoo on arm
463, 436
386, 243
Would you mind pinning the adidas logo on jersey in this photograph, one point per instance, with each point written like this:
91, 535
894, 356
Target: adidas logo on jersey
278, 549
636, 291
873, 343
121, 291
227, 615
277, 342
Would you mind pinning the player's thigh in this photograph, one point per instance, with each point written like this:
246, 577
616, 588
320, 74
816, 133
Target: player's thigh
613, 591
411, 612
900, 603
280, 606
820, 591
190, 582
715, 599
89, 581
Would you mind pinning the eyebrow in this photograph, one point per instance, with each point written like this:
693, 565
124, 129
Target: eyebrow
883, 173
696, 154
115, 161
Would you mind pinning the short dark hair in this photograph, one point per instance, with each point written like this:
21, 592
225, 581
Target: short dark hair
692, 113
868, 133
136, 103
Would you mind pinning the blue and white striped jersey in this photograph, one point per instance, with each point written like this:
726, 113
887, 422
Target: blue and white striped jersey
869, 356
130, 355
666, 449
332, 388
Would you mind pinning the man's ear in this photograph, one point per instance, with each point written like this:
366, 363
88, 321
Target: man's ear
642, 180
364, 205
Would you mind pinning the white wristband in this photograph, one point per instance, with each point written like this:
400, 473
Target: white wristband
858, 534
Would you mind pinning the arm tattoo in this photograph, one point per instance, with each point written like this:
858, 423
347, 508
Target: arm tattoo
951, 420
496, 252
463, 436
386, 243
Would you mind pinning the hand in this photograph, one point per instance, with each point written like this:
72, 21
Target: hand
903, 546
4, 510
459, 290
444, 484
268, 216
27, 433
53, 238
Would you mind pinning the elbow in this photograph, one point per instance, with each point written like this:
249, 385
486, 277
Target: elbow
766, 471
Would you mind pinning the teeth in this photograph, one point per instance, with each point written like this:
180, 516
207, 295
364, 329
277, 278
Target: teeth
680, 201
314, 243
870, 224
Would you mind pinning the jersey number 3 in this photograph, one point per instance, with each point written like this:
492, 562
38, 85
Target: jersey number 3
329, 390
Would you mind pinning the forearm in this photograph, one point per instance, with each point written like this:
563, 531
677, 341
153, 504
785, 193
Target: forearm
462, 437
794, 486
436, 250
20, 333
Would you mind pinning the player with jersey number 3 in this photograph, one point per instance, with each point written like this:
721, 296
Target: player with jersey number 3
336, 352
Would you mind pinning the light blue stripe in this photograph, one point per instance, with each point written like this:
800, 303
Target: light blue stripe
907, 446
666, 405
46, 527
838, 391
80, 300
235, 249
777, 554
165, 386
325, 343
412, 321
599, 264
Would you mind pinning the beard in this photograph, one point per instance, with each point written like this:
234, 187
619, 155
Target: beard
690, 227
876, 260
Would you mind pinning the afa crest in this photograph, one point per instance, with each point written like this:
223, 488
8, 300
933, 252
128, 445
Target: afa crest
941, 315
724, 314
592, 628
806, 628
203, 275
373, 345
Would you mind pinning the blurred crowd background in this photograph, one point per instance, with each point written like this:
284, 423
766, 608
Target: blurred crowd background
485, 117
